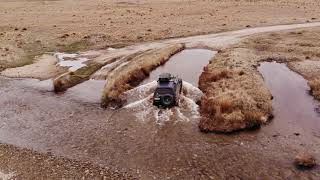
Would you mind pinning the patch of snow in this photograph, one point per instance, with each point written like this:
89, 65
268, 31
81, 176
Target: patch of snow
62, 56
74, 65
111, 49
74, 61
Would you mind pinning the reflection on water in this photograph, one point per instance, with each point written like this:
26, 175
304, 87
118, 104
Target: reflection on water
188, 65
292, 103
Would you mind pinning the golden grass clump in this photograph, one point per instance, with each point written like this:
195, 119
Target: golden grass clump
130, 75
212, 75
315, 88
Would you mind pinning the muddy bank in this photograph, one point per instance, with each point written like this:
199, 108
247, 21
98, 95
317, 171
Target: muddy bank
132, 73
310, 69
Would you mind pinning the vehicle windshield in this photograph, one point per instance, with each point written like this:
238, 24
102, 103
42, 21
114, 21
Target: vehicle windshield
164, 91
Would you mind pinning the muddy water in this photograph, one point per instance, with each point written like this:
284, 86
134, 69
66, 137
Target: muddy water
188, 65
133, 141
89, 91
294, 108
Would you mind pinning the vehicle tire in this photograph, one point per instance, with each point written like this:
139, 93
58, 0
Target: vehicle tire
167, 100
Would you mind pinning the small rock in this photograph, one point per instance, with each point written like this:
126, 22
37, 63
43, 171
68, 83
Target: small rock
248, 26
65, 36
24, 29
305, 160
275, 135
297, 134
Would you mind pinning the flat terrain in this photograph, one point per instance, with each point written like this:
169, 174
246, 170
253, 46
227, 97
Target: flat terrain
67, 135
29, 28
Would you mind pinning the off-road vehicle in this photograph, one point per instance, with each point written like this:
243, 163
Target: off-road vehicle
168, 91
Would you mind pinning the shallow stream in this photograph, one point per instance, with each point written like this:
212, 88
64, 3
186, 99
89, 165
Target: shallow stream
292, 103
188, 65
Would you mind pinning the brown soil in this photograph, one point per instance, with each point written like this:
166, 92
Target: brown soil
44, 68
235, 95
25, 28
27, 164
131, 74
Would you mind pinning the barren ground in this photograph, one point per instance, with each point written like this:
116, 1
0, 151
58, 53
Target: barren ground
29, 28
65, 136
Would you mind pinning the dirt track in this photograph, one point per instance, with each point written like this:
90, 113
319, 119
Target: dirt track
139, 141
143, 141
29, 28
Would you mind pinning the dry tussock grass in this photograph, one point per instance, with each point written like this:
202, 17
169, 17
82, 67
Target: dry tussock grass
224, 115
130, 75
235, 98
315, 88
213, 75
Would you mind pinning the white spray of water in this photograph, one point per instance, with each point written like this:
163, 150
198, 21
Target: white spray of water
162, 115
139, 100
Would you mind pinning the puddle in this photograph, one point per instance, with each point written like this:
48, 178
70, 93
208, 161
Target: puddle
188, 65
45, 85
89, 91
292, 103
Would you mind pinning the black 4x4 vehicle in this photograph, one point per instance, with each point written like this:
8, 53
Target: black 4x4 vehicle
168, 91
